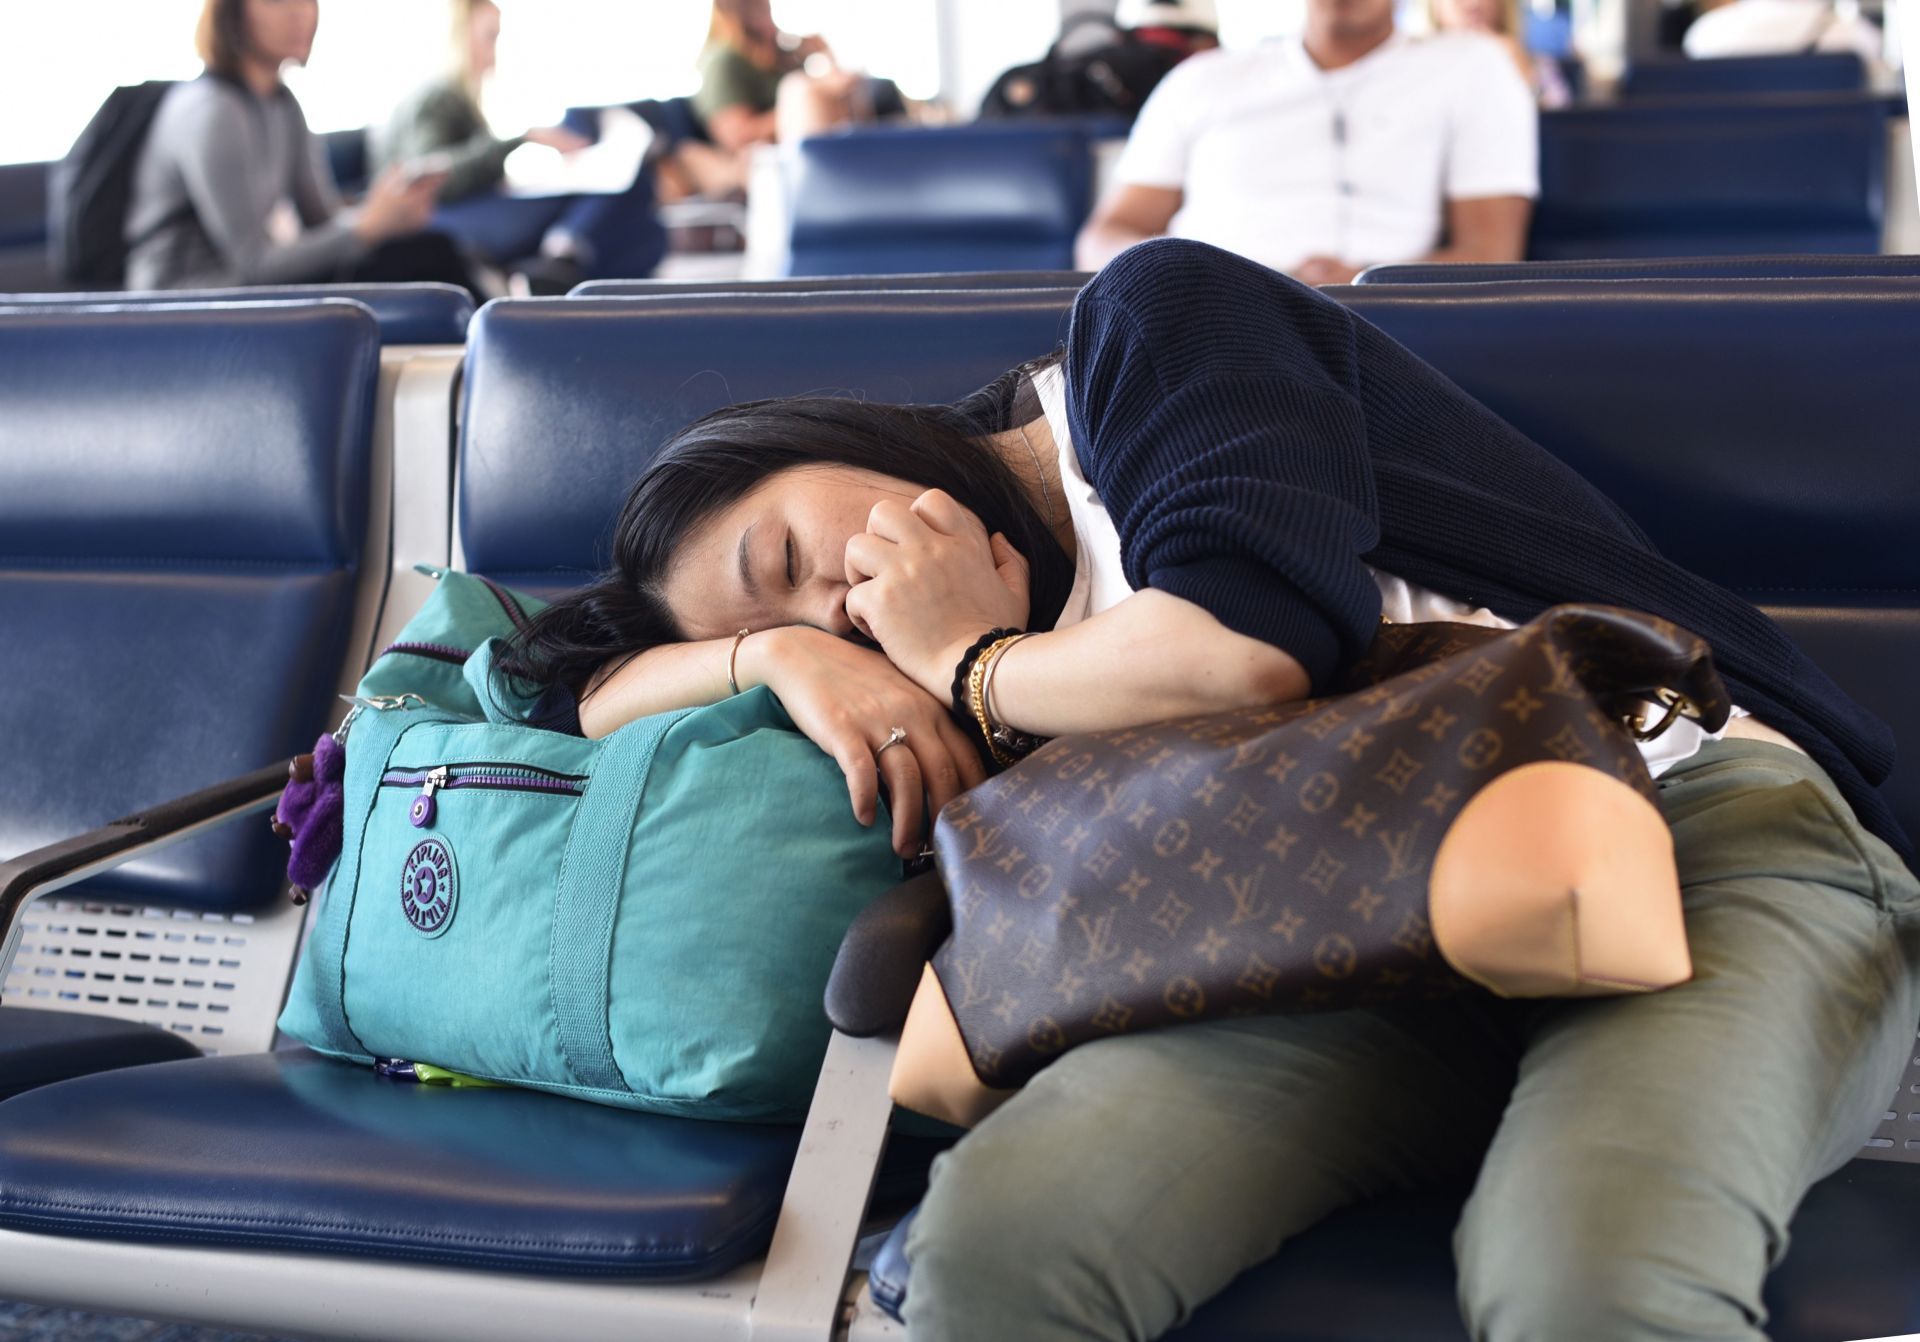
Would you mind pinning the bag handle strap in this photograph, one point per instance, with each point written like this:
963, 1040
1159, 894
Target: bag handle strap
370, 743
592, 874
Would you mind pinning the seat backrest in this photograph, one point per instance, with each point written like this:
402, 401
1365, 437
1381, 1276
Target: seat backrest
183, 495
943, 198
1779, 465
1004, 279
1805, 72
1647, 268
407, 314
567, 400
1711, 177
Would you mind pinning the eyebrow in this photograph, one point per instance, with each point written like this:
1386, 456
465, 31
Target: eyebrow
746, 568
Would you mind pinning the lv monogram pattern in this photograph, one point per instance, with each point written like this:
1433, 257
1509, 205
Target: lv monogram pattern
1274, 858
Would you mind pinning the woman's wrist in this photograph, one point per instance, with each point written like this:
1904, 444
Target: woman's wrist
755, 660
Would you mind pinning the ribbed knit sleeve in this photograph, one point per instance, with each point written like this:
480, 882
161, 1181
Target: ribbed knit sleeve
1220, 427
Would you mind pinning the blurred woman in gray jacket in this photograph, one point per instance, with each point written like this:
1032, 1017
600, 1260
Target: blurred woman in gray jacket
232, 187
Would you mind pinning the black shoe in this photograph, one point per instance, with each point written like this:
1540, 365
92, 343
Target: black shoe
545, 276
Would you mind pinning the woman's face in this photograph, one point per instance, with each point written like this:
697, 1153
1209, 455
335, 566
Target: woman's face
483, 38
279, 31
777, 555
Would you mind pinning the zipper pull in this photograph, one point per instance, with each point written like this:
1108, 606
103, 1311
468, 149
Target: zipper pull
424, 808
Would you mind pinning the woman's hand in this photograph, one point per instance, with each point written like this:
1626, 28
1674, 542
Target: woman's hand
398, 203
557, 138
926, 580
847, 699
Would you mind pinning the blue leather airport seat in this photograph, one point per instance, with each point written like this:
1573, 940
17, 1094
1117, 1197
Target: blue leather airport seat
1004, 279
1804, 72
1711, 177
23, 225
946, 198
183, 493
407, 314
1646, 268
182, 501
612, 378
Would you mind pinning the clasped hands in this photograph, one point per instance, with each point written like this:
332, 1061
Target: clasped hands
925, 580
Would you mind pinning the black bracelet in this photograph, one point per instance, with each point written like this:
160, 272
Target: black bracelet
962, 709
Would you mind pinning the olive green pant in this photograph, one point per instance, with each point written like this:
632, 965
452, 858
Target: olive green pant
1634, 1161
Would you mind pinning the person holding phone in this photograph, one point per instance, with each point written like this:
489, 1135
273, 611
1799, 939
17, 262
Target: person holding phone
552, 242
232, 188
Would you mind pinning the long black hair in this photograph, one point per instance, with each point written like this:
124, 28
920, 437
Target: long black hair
722, 457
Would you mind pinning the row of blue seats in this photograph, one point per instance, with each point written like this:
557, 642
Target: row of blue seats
1649, 177
192, 555
439, 314
1674, 177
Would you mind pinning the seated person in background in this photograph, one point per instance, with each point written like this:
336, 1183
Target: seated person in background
1322, 155
444, 118
1783, 28
756, 88
232, 188
1502, 20
550, 241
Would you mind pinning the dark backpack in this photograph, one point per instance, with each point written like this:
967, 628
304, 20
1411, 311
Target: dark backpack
1112, 79
92, 188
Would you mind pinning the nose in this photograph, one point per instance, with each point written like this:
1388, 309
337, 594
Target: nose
830, 609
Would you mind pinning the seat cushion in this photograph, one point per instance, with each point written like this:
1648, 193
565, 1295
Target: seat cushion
290, 1151
38, 1048
1385, 1270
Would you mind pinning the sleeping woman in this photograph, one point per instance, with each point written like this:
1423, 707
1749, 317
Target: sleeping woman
1210, 500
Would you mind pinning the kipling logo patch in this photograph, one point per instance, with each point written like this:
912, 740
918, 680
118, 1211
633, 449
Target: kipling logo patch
429, 887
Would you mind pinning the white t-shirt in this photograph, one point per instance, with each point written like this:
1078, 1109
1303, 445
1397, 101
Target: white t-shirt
1279, 160
1100, 582
1780, 27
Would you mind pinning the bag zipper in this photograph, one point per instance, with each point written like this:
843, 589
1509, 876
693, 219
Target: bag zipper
491, 777
507, 603
438, 652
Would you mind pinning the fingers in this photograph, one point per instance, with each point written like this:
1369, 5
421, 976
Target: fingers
866, 555
1012, 567
944, 513
901, 770
855, 604
855, 758
893, 520
957, 754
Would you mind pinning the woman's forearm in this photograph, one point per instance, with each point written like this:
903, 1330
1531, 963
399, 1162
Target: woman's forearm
1151, 657
659, 680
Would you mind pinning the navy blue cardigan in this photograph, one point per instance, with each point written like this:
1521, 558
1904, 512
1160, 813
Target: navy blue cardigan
1258, 445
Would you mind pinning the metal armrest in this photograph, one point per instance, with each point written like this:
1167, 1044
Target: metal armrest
69, 860
878, 967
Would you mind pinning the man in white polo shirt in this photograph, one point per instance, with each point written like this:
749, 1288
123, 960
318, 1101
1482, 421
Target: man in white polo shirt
1324, 154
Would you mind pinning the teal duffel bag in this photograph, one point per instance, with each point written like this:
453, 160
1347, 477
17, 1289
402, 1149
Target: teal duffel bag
645, 920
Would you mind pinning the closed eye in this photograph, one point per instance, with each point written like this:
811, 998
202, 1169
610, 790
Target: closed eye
790, 576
